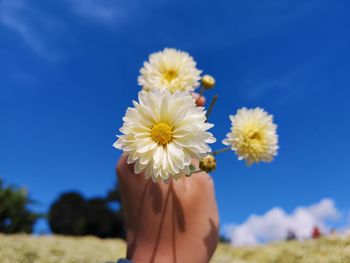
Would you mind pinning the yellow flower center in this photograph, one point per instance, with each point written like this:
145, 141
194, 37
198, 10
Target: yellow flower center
170, 74
162, 133
253, 146
255, 136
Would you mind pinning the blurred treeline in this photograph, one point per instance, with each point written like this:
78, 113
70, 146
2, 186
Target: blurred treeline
71, 214
15, 215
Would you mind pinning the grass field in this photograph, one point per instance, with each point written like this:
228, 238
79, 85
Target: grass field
52, 249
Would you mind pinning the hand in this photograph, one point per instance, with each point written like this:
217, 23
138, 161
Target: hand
169, 223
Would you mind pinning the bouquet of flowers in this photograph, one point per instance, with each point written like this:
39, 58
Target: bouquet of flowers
166, 129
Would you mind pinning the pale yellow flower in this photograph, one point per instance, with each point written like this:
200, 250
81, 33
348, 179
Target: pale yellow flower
163, 132
169, 69
253, 136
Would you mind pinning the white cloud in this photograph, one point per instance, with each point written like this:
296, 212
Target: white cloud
275, 223
30, 24
302, 78
108, 12
41, 30
250, 20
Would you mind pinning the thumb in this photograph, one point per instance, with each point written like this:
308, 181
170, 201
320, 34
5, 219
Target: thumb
126, 174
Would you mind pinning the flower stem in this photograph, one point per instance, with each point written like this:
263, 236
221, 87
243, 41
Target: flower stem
201, 92
221, 150
194, 172
212, 103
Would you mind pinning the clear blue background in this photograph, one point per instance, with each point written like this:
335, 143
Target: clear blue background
69, 70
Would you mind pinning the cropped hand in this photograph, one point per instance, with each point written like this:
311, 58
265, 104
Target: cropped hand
169, 223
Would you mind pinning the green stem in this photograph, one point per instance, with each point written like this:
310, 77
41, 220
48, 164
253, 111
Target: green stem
221, 150
212, 103
194, 172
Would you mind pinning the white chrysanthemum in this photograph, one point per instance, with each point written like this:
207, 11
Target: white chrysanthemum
169, 69
163, 132
253, 136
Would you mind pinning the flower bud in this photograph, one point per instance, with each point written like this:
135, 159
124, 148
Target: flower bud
208, 81
207, 163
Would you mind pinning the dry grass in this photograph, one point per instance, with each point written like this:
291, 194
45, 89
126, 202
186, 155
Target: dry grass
52, 249
324, 250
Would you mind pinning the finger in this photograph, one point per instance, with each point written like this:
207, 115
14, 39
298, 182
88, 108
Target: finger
201, 178
125, 171
122, 166
198, 179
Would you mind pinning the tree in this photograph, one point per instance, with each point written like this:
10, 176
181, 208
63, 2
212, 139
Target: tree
15, 216
291, 235
114, 195
102, 221
67, 215
72, 214
224, 239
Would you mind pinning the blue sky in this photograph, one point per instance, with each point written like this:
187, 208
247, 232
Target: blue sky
69, 70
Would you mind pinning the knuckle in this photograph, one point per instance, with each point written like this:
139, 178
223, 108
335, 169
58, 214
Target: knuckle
120, 168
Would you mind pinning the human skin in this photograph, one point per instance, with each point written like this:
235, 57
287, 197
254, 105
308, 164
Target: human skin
169, 223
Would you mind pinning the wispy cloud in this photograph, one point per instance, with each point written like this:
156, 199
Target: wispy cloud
250, 20
30, 24
275, 223
259, 84
107, 12
290, 83
43, 31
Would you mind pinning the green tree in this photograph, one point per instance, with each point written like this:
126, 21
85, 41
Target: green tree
67, 215
15, 216
72, 214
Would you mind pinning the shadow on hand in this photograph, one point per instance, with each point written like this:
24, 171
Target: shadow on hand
177, 216
156, 194
133, 245
160, 205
